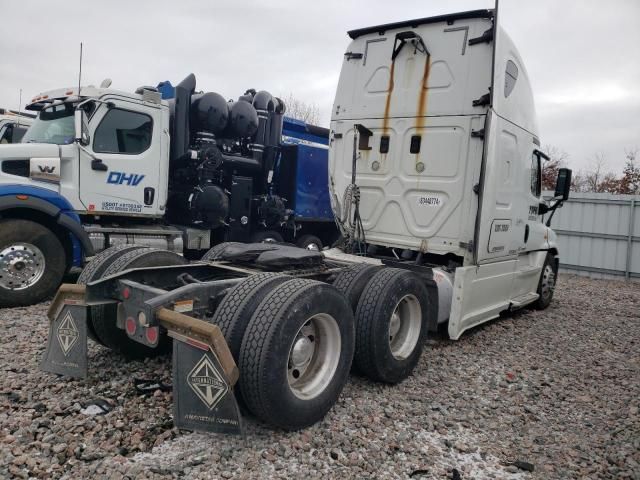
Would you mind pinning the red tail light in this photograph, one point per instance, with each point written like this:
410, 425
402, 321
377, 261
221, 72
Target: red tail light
152, 334
130, 326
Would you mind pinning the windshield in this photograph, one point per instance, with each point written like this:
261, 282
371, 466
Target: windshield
53, 125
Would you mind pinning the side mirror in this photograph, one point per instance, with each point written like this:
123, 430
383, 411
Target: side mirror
81, 127
563, 184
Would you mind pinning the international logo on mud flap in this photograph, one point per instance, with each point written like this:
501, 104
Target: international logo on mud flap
207, 383
67, 333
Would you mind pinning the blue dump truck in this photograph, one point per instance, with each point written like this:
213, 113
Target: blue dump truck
160, 167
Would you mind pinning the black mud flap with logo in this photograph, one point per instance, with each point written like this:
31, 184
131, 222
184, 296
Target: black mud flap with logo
67, 345
203, 398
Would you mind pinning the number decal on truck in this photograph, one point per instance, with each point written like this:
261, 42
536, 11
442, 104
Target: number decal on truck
121, 207
429, 201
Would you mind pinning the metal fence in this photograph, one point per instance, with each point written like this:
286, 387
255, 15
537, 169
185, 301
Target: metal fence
599, 235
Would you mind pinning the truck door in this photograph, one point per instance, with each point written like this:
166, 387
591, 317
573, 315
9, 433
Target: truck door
506, 195
504, 209
122, 174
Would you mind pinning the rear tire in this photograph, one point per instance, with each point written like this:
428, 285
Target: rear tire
391, 325
352, 280
546, 284
301, 326
32, 263
105, 325
215, 252
310, 242
239, 304
94, 270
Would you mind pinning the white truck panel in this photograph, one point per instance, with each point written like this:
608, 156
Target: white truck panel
445, 83
20, 151
513, 97
423, 200
416, 201
480, 293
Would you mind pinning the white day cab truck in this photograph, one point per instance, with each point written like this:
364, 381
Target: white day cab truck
178, 169
434, 175
13, 125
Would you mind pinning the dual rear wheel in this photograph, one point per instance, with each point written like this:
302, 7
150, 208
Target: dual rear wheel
294, 339
296, 353
390, 306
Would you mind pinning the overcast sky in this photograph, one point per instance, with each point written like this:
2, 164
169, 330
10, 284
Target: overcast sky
583, 56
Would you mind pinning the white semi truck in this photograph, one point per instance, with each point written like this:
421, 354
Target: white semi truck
434, 174
13, 125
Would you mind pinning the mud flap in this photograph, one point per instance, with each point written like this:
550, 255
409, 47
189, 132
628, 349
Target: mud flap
66, 352
203, 397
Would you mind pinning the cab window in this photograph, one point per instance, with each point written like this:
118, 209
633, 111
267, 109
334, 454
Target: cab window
510, 78
123, 131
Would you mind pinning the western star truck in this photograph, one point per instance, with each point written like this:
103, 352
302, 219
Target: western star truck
163, 167
434, 180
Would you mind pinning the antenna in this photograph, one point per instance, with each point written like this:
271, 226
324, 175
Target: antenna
80, 71
19, 106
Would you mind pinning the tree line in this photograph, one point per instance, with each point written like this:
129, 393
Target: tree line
597, 178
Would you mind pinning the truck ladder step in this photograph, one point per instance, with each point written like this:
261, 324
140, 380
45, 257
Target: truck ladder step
523, 300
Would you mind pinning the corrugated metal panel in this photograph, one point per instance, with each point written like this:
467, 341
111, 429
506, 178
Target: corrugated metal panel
599, 234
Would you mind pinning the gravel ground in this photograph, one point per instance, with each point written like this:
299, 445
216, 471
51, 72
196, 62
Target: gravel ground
558, 389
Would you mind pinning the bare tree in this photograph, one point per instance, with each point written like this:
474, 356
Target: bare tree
300, 110
558, 159
594, 176
579, 181
600, 180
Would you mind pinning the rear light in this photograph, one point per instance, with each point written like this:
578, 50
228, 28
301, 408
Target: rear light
69, 92
126, 293
22, 197
151, 334
130, 326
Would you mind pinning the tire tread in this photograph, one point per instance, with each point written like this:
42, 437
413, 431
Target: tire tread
364, 356
256, 341
235, 309
348, 281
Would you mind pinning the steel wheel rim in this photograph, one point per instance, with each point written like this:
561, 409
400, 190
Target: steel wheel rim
548, 283
313, 247
22, 265
314, 356
404, 327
